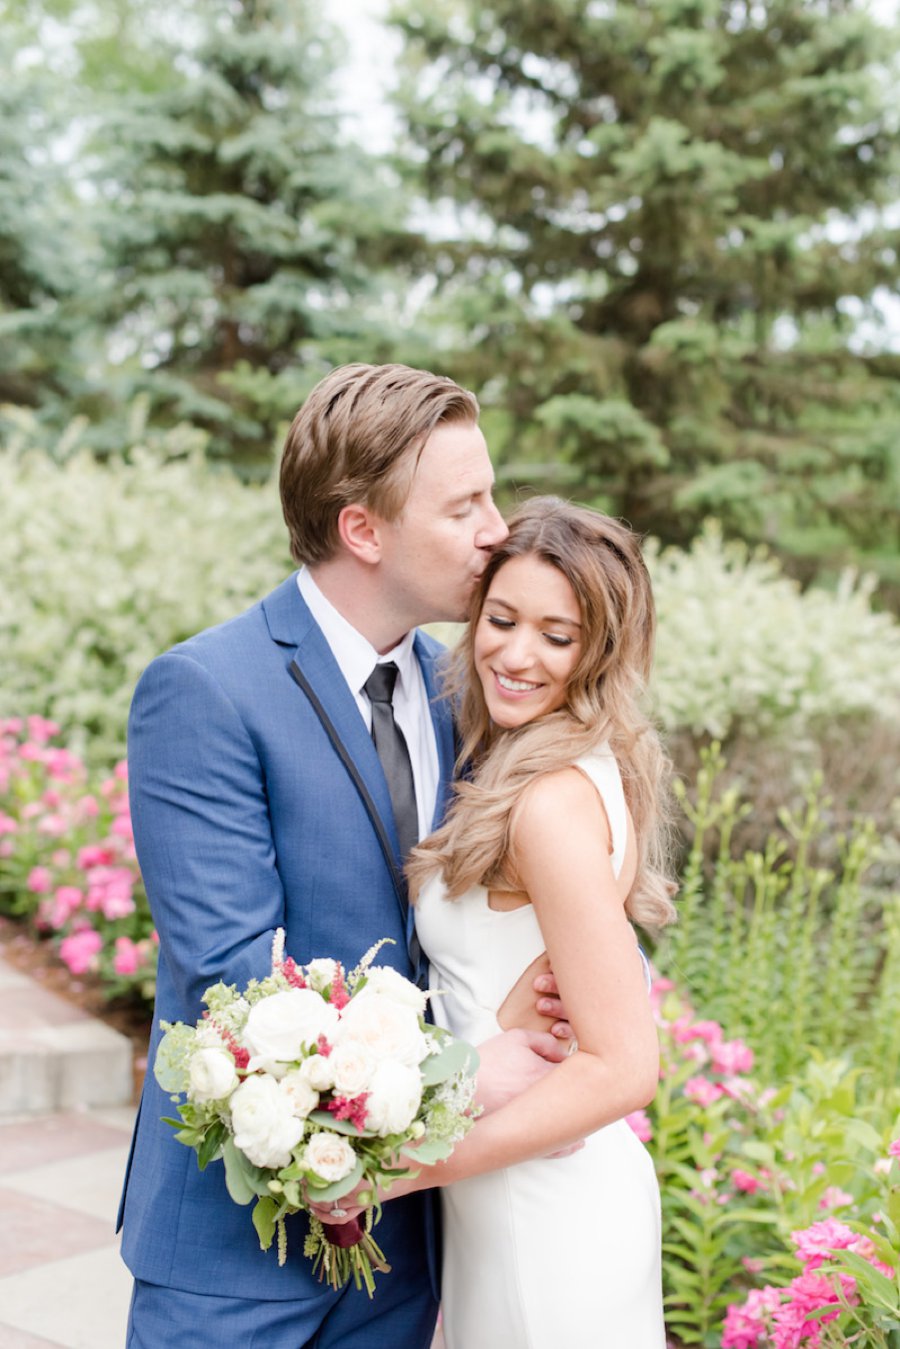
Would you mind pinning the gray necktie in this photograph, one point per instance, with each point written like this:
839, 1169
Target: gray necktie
393, 753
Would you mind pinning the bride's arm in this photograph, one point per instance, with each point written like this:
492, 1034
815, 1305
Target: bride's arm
561, 851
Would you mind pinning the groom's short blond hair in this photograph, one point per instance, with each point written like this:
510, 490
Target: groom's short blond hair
357, 439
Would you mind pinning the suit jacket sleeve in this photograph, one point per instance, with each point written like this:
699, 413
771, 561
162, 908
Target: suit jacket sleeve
202, 829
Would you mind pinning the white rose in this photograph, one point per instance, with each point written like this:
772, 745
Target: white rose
265, 1127
352, 1065
212, 1075
317, 1072
330, 1156
383, 979
389, 1029
280, 1026
302, 1096
394, 1097
320, 973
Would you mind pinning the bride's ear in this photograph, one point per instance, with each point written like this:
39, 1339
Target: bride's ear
359, 532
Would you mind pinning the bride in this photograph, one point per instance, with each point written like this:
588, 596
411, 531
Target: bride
553, 846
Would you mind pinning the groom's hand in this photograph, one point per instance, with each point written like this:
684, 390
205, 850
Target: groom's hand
512, 1062
549, 1005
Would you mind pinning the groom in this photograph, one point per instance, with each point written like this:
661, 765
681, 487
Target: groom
259, 801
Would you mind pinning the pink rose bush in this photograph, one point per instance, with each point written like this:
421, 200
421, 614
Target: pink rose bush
67, 860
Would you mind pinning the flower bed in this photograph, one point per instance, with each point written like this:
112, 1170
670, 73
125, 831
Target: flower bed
67, 860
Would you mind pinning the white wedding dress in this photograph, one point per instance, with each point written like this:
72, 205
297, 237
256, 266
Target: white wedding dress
558, 1251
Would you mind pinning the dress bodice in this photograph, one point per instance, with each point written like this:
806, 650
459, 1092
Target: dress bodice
476, 953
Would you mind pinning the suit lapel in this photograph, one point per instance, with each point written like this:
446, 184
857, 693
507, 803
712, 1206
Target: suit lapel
317, 674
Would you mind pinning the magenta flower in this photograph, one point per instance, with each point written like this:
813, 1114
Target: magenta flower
894, 1148
128, 957
701, 1091
743, 1180
835, 1197
816, 1243
40, 881
638, 1121
731, 1057
80, 950
747, 1323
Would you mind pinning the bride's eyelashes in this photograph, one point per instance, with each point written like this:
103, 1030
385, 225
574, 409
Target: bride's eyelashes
554, 638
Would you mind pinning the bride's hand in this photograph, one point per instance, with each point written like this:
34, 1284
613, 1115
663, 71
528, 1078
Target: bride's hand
549, 1004
355, 1203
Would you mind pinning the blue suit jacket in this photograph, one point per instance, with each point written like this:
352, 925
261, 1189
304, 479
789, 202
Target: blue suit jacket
258, 802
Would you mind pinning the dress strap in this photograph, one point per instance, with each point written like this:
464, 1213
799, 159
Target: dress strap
601, 767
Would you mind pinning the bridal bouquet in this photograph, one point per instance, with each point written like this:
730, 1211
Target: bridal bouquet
311, 1083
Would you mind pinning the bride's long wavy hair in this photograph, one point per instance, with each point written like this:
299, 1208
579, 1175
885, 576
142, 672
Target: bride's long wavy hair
602, 561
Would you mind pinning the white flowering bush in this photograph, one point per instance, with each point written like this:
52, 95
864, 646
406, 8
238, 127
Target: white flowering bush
105, 566
741, 647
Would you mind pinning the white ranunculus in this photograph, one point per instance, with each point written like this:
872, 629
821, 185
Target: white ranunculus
394, 1097
330, 1156
212, 1075
265, 1126
279, 1027
302, 1096
352, 1065
383, 979
317, 1071
320, 973
389, 1029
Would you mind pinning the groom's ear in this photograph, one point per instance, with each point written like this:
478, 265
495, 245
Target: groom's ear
359, 532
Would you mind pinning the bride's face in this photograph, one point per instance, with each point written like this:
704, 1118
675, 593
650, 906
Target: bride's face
527, 641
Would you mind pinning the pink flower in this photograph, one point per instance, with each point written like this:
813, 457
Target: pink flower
80, 950
57, 911
39, 881
30, 752
894, 1148
62, 765
121, 827
128, 957
121, 771
731, 1056
794, 1319
818, 1168
742, 1180
745, 1325
816, 1243
865, 1247
88, 807
701, 1091
94, 856
7, 824
54, 825
639, 1122
835, 1197
40, 729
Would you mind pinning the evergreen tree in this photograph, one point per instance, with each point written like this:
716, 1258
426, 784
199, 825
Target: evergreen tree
244, 234
668, 217
38, 257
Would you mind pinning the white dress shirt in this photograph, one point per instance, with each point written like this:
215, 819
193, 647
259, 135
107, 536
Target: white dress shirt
357, 658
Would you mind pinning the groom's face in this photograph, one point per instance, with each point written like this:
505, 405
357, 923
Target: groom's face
435, 551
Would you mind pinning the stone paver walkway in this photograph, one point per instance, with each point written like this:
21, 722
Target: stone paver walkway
64, 1137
